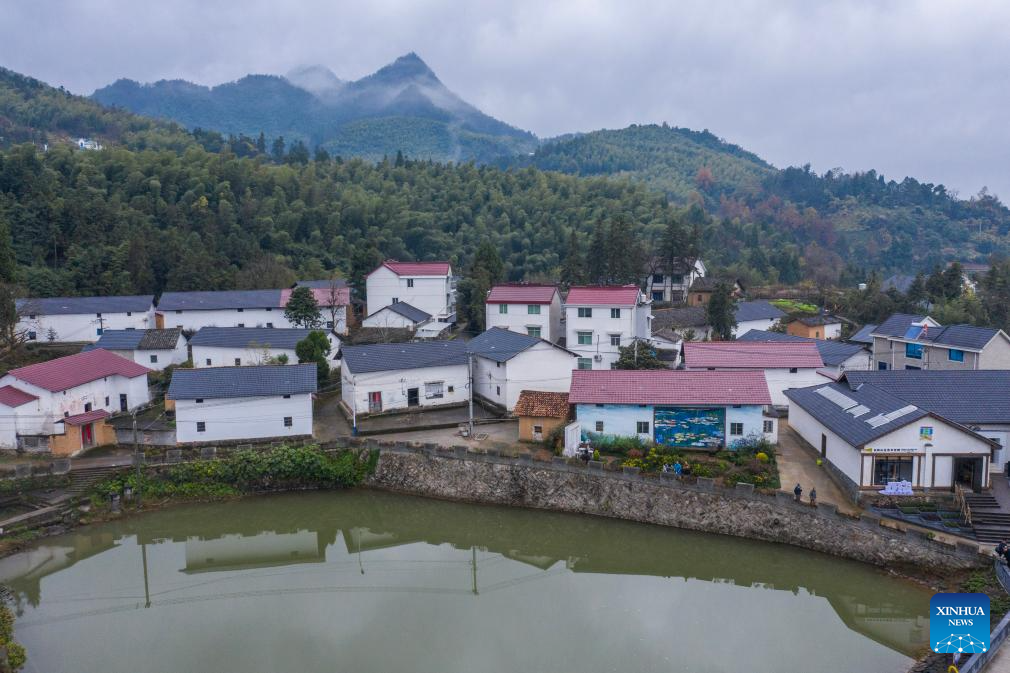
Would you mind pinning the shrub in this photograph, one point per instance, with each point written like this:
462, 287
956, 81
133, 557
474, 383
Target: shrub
618, 443
761, 456
635, 453
596, 454
15, 651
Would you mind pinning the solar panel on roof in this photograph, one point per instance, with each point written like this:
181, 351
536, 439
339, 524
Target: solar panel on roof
844, 401
858, 411
913, 332
877, 421
898, 413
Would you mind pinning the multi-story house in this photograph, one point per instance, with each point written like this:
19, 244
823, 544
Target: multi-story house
672, 284
61, 319
534, 310
428, 286
601, 319
905, 341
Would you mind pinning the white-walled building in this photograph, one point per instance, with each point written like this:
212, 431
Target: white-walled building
153, 348
759, 314
870, 438
400, 315
249, 346
600, 319
785, 365
378, 378
428, 286
246, 308
242, 403
671, 284
59, 406
505, 363
838, 356
528, 309
63, 319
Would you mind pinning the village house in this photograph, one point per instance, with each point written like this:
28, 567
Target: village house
702, 289
863, 337
601, 319
235, 403
61, 406
685, 409
73, 319
246, 308
153, 348
758, 314
400, 315
869, 438
838, 357
245, 346
529, 309
820, 326
380, 378
784, 365
428, 286
540, 413
505, 363
671, 285
906, 341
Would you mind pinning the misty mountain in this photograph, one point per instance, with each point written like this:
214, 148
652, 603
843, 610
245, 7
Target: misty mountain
401, 107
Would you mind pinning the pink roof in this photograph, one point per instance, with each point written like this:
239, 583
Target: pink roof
78, 369
417, 268
603, 295
323, 295
667, 386
522, 294
751, 354
15, 397
86, 417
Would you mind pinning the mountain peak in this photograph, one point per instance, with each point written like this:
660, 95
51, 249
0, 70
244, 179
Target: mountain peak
316, 79
410, 66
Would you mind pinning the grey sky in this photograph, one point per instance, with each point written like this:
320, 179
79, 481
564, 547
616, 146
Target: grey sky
908, 87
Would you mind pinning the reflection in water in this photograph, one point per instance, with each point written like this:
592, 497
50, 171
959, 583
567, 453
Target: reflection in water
371, 581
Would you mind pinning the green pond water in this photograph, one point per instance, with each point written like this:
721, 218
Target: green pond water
365, 581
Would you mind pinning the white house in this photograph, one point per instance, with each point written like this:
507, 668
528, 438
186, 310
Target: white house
334, 299
60, 406
759, 314
246, 346
528, 309
62, 319
246, 308
785, 365
378, 378
870, 438
838, 356
400, 315
153, 348
505, 363
600, 319
671, 284
235, 403
428, 286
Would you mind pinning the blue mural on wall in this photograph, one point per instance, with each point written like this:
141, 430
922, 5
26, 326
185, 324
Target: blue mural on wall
690, 427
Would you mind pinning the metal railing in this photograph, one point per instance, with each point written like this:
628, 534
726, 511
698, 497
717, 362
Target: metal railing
1000, 633
962, 503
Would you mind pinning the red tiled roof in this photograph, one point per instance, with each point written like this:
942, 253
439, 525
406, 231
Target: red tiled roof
75, 370
323, 295
521, 294
86, 417
15, 397
417, 268
602, 295
542, 404
751, 354
667, 386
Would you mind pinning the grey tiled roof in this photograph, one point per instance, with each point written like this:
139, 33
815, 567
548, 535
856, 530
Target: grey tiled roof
833, 353
244, 337
962, 336
963, 396
675, 318
500, 345
863, 335
83, 305
391, 357
137, 339
323, 284
854, 429
759, 309
221, 299
221, 382
409, 312
897, 324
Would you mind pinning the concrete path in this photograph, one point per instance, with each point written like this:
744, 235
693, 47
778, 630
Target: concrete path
797, 463
1001, 491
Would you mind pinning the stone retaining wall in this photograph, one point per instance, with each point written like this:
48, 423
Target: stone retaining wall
454, 473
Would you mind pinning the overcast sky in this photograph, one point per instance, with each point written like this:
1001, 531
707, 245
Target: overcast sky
907, 87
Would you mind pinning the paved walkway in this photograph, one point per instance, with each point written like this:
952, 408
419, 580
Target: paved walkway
1001, 491
797, 464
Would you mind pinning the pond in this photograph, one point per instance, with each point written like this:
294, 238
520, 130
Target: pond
368, 581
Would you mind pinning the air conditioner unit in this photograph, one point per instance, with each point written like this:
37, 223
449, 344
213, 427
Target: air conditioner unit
598, 357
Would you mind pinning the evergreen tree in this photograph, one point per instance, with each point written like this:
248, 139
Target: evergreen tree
302, 309
277, 150
8, 263
638, 355
321, 156
261, 143
485, 271
917, 290
624, 260
298, 154
315, 348
363, 262
721, 311
573, 271
597, 271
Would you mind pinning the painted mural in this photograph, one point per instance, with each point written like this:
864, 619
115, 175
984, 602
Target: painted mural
690, 427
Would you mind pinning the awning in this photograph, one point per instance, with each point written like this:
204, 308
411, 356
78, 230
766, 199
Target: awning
86, 417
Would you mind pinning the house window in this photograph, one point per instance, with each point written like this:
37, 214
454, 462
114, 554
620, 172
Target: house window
434, 390
287, 397
585, 312
396, 300
882, 366
87, 407
533, 309
585, 363
32, 336
615, 313
178, 311
241, 324
201, 426
538, 430
599, 426
817, 334
106, 400
154, 359
769, 426
533, 332
913, 351
270, 324
657, 279
241, 310
238, 362
129, 313
99, 331
287, 421
677, 279
955, 355
615, 339
642, 427
891, 469
793, 370
736, 429
31, 316
613, 365
497, 391
410, 282
585, 338
98, 315
912, 367
503, 309
451, 389
329, 324
269, 309
208, 362
199, 400
657, 295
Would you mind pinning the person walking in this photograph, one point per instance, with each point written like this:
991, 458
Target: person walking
797, 492
1001, 549
813, 496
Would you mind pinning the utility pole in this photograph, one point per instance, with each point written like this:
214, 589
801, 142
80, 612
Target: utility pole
469, 376
136, 456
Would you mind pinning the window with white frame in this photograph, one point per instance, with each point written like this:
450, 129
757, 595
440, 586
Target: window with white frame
584, 338
615, 339
736, 429
585, 363
503, 309
434, 390
615, 313
769, 426
533, 332
585, 312
410, 282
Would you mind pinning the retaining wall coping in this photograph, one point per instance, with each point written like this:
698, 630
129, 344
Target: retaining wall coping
744, 489
632, 470
706, 483
22, 470
595, 465
828, 509
208, 452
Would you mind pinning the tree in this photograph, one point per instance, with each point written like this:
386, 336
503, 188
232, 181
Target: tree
596, 263
8, 264
624, 260
302, 309
639, 354
573, 270
314, 348
12, 335
261, 143
321, 156
721, 311
364, 261
298, 154
277, 151
917, 290
485, 272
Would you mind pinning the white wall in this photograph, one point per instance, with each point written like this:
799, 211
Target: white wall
745, 326
221, 356
842, 455
243, 418
232, 317
541, 367
393, 385
780, 380
387, 319
946, 439
833, 331
165, 357
622, 420
519, 318
428, 293
84, 326
633, 323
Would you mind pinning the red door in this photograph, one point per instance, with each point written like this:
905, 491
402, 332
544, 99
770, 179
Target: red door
87, 435
375, 402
